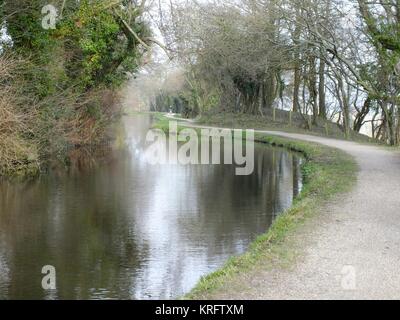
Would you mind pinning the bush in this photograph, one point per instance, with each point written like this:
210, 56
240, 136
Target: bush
17, 153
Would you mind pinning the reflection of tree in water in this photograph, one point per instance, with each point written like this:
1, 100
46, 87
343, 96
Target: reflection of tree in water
71, 224
125, 229
4, 271
248, 206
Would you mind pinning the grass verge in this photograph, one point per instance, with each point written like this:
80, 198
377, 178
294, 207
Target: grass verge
323, 128
327, 173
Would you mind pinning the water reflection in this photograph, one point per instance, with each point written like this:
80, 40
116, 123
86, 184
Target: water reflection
125, 229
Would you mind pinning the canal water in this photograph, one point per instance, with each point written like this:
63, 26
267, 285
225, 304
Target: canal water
124, 229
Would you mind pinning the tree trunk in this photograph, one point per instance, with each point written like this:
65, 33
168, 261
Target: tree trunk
270, 91
312, 87
296, 88
345, 107
321, 89
360, 118
297, 66
388, 124
261, 100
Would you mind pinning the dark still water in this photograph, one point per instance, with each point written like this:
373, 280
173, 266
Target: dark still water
124, 229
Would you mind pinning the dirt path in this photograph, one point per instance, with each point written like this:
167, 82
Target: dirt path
352, 250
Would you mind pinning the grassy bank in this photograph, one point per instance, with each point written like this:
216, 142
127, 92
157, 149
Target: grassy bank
327, 173
282, 121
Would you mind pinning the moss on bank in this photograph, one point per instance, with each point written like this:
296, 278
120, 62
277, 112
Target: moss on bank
327, 172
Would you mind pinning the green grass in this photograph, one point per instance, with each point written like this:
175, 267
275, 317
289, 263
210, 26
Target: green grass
162, 122
327, 173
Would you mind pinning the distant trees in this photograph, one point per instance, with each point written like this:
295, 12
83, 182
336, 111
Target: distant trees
330, 59
241, 56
